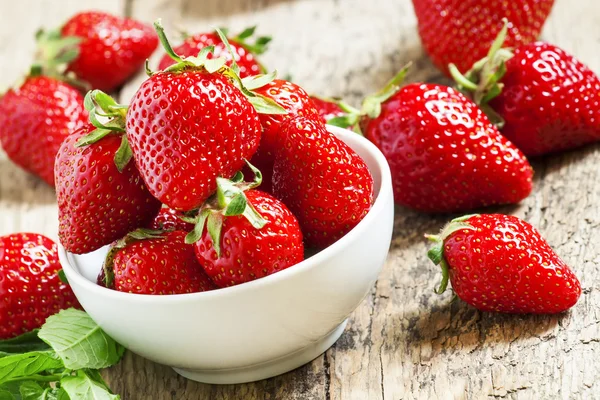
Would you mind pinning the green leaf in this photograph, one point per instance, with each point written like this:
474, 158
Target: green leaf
257, 81
20, 365
265, 105
33, 391
236, 206
246, 33
372, 104
214, 64
6, 395
214, 226
84, 386
93, 137
234, 65
196, 234
123, 154
62, 276
24, 343
254, 217
160, 31
79, 341
344, 121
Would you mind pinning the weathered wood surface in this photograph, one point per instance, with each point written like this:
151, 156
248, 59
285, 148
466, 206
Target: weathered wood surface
403, 342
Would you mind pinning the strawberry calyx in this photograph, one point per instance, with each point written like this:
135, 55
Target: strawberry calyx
371, 106
260, 44
229, 200
482, 82
262, 104
108, 117
351, 116
436, 252
53, 55
139, 234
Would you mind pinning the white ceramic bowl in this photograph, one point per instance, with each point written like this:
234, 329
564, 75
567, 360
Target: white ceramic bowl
259, 329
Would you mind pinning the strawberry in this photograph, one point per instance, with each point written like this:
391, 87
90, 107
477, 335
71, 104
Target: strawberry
154, 262
99, 48
190, 124
101, 196
30, 287
249, 234
34, 120
444, 153
327, 108
543, 99
461, 31
296, 102
245, 53
501, 263
170, 220
323, 181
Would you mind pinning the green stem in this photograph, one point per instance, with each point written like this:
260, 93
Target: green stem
160, 31
445, 277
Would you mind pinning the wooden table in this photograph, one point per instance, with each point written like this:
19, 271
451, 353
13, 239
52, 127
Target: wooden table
404, 341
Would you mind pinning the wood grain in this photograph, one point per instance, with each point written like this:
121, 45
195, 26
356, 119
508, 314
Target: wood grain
403, 342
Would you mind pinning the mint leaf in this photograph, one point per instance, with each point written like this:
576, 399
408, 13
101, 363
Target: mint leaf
6, 395
24, 343
32, 391
84, 386
79, 341
22, 365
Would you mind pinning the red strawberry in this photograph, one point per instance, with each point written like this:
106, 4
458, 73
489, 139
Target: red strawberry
501, 263
190, 125
30, 288
444, 154
101, 196
109, 51
543, 99
170, 220
154, 262
327, 108
34, 120
249, 234
323, 181
461, 31
296, 102
245, 53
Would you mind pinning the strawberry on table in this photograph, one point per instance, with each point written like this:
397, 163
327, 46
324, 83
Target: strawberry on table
461, 31
245, 234
35, 118
154, 262
324, 182
244, 52
444, 153
99, 48
543, 99
501, 263
101, 196
190, 124
30, 287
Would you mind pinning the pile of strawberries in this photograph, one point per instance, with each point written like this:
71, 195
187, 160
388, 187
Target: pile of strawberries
213, 176
218, 173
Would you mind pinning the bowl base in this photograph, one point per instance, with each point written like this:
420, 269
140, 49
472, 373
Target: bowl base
267, 369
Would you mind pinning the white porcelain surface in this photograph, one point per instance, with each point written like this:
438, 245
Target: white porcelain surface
261, 328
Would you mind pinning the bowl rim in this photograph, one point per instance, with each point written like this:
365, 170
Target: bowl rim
385, 191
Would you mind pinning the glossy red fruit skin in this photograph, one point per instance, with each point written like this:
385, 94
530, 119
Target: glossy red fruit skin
550, 101
248, 253
97, 204
112, 48
159, 267
191, 46
169, 220
462, 31
186, 129
324, 182
296, 102
506, 266
30, 288
35, 119
444, 154
327, 109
